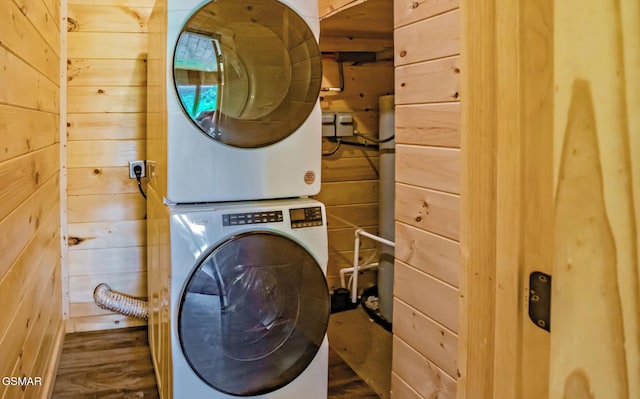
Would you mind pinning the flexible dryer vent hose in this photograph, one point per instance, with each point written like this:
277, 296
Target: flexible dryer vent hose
117, 302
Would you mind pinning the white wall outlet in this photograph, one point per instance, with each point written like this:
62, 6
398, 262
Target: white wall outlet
344, 124
328, 124
132, 169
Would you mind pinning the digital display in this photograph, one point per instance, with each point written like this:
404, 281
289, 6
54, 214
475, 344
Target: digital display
297, 215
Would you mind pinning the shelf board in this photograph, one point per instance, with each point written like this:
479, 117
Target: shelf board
357, 18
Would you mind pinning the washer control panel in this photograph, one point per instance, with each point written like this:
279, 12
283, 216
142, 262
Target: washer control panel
305, 217
235, 219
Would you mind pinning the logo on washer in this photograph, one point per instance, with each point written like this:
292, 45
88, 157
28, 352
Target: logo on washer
310, 177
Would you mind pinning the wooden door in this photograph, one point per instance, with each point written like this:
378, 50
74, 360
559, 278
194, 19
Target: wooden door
551, 182
595, 333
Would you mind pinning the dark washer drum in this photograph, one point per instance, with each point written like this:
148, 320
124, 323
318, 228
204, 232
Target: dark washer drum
253, 314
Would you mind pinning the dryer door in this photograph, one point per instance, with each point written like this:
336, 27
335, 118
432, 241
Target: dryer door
247, 74
253, 314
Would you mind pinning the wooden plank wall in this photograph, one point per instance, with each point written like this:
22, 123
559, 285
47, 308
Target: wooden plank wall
597, 165
107, 46
31, 323
427, 74
350, 176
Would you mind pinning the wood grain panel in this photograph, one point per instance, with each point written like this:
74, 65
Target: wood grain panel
24, 221
47, 360
427, 379
102, 126
87, 309
478, 206
429, 167
92, 72
98, 18
97, 180
435, 125
23, 131
371, 18
345, 192
400, 389
37, 256
86, 262
131, 283
103, 322
429, 210
39, 329
24, 175
340, 216
429, 39
45, 20
113, 45
26, 42
11, 345
348, 151
53, 8
104, 153
341, 169
428, 82
106, 99
595, 129
428, 252
329, 6
430, 296
427, 337
363, 84
344, 239
116, 234
106, 208
341, 43
24, 86
342, 259
409, 11
591, 253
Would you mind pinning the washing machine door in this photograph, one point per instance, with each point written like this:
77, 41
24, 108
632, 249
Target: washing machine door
253, 314
247, 74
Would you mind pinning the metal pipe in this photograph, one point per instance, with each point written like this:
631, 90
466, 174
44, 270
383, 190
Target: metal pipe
121, 303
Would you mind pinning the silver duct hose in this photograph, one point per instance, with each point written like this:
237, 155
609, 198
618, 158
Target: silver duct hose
117, 302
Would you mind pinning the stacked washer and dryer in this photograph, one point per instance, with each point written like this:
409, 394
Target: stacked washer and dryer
237, 252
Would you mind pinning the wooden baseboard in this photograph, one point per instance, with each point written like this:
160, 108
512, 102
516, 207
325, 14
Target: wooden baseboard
53, 362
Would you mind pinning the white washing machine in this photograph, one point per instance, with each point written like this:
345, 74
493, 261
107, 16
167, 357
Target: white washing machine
249, 303
241, 117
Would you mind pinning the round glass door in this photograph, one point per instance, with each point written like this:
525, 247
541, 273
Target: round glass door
253, 314
248, 74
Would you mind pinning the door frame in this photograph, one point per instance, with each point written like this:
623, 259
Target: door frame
507, 119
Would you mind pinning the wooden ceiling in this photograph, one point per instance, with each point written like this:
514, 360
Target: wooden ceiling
359, 18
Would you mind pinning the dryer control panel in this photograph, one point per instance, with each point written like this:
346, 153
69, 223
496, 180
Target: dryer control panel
235, 219
305, 217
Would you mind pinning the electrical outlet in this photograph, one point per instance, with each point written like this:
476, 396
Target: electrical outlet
132, 165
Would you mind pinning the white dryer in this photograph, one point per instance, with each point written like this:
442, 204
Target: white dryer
249, 304
234, 109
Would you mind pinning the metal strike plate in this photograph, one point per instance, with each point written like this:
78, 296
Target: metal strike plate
540, 300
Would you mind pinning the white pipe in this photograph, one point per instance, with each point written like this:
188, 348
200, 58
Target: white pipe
356, 256
356, 267
376, 238
345, 270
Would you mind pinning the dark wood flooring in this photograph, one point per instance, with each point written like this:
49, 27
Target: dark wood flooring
116, 364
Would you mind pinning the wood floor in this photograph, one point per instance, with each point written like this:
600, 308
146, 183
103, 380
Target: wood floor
116, 364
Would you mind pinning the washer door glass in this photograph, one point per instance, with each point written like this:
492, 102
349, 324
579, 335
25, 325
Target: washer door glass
253, 314
248, 74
